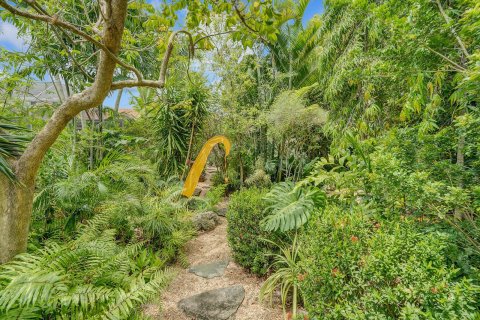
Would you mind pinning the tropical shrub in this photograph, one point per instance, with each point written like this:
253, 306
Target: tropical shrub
259, 178
217, 179
231, 180
71, 194
245, 234
124, 229
360, 266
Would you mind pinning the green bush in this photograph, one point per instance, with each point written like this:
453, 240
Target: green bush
359, 267
245, 235
217, 179
215, 195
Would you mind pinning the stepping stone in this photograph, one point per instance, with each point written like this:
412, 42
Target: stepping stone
222, 212
221, 208
197, 192
209, 270
218, 304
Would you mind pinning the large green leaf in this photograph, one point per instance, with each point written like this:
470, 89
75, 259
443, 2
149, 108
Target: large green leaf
290, 206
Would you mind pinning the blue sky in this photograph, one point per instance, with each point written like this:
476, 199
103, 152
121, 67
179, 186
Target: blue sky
314, 7
10, 41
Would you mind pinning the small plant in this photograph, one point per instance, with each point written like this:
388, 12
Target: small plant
215, 195
287, 276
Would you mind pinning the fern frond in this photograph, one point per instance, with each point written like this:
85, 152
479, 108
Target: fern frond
138, 293
33, 288
22, 314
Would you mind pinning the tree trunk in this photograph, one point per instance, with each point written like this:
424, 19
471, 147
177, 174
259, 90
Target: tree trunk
100, 133
92, 147
281, 147
118, 100
15, 214
241, 173
16, 199
458, 214
58, 88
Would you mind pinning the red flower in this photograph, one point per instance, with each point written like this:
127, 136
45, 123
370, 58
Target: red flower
354, 239
301, 277
335, 272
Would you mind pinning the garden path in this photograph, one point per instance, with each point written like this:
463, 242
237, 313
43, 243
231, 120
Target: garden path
212, 248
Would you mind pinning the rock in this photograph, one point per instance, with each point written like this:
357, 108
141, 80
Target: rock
205, 221
218, 304
197, 192
221, 208
222, 212
209, 270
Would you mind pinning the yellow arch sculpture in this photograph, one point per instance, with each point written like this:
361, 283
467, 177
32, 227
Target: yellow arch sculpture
200, 161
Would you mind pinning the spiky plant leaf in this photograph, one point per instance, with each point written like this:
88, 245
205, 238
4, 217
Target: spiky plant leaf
11, 145
287, 270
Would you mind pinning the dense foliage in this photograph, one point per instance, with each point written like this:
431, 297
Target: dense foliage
385, 122
359, 265
246, 237
354, 173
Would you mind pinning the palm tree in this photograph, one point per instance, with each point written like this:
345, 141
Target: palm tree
292, 52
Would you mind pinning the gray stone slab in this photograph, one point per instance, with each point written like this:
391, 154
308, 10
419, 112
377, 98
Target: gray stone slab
218, 304
209, 270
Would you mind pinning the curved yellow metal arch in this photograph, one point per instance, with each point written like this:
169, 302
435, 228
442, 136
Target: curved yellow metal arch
200, 161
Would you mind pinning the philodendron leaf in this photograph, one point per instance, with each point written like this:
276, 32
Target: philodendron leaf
290, 206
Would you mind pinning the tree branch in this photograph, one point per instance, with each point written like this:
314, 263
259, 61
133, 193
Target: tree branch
244, 22
455, 65
39, 9
55, 21
213, 35
160, 83
452, 29
27, 165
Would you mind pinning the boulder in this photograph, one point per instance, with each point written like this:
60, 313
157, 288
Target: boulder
218, 304
197, 192
205, 221
221, 211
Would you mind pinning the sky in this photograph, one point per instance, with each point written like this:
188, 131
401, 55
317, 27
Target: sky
10, 41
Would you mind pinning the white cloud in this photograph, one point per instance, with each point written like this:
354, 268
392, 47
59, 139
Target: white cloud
9, 35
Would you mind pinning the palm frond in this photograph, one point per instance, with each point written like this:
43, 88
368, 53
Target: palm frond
11, 146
